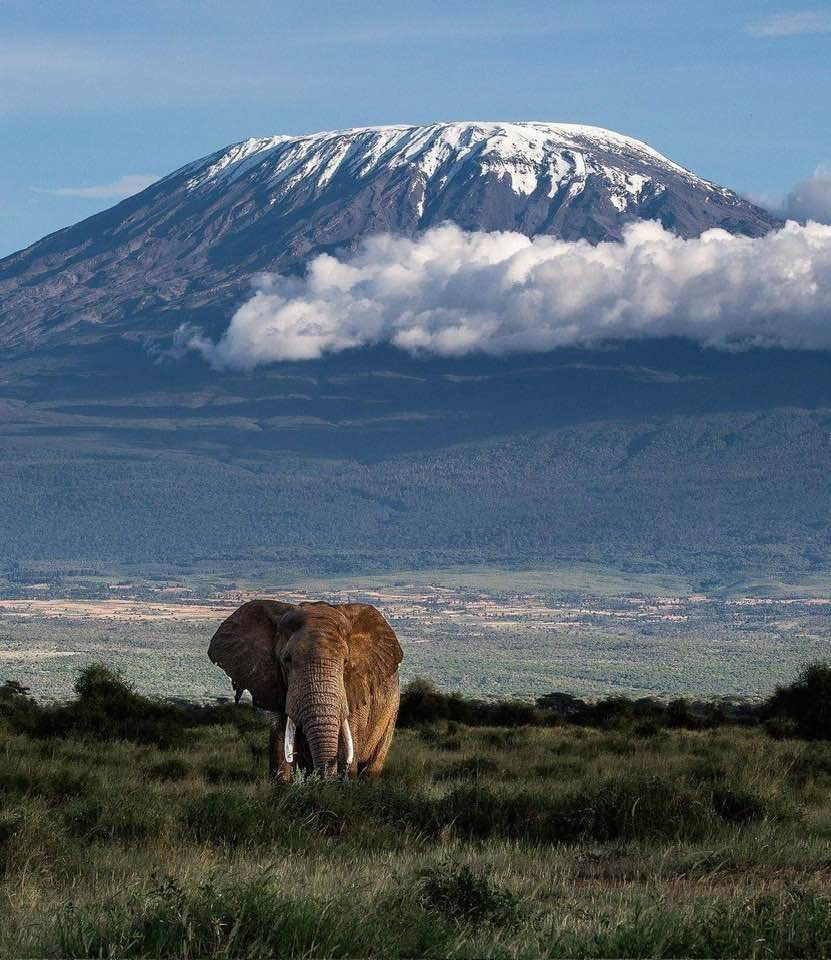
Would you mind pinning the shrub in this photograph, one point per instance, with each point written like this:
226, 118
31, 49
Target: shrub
107, 708
82, 817
171, 921
423, 703
563, 705
464, 895
812, 762
18, 710
604, 810
32, 840
329, 808
737, 804
54, 783
10, 821
646, 729
806, 703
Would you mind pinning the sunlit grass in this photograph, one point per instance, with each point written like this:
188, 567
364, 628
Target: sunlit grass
528, 841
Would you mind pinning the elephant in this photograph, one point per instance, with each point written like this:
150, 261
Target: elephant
328, 673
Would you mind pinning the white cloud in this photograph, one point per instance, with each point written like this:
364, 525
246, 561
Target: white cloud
452, 292
810, 199
792, 24
125, 186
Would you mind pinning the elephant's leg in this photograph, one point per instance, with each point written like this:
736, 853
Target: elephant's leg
278, 769
372, 767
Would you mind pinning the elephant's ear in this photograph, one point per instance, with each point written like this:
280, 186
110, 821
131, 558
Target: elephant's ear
244, 646
374, 652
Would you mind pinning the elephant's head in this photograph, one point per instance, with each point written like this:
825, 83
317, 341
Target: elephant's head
312, 663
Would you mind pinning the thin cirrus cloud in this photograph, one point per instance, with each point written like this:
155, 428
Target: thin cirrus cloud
118, 189
452, 292
792, 24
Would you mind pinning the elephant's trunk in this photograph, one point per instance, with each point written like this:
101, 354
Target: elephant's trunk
317, 703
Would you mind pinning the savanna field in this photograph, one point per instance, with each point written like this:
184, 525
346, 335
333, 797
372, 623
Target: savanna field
628, 830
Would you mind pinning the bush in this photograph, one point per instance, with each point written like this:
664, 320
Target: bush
82, 817
53, 783
107, 708
605, 810
464, 895
10, 821
423, 703
32, 840
805, 704
741, 805
18, 710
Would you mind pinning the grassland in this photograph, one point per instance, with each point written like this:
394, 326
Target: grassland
485, 633
475, 842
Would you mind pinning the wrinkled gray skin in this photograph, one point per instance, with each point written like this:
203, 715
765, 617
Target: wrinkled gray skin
328, 673
312, 660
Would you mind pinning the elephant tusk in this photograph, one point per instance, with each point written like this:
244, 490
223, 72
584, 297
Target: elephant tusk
347, 738
288, 742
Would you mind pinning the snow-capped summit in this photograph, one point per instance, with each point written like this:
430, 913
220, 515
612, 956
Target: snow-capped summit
527, 154
190, 243
545, 160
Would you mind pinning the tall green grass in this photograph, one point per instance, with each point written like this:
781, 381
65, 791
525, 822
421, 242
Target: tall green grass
494, 841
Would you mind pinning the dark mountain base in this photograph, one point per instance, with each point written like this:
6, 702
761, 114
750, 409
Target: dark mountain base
659, 456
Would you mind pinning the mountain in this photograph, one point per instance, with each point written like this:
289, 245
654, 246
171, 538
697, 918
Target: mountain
188, 245
655, 455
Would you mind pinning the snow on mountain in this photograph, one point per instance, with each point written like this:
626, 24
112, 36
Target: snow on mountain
189, 245
527, 154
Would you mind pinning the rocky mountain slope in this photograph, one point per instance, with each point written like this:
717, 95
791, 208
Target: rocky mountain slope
188, 246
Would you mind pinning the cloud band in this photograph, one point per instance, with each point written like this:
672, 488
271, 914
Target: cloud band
452, 292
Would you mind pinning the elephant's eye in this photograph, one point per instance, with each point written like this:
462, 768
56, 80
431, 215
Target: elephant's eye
286, 657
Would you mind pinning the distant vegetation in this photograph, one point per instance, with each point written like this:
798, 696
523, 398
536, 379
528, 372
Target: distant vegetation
423, 703
706, 497
134, 827
106, 707
802, 709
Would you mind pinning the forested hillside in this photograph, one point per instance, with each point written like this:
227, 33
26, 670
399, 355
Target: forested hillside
708, 495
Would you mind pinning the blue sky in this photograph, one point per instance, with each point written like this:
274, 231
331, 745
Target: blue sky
95, 96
